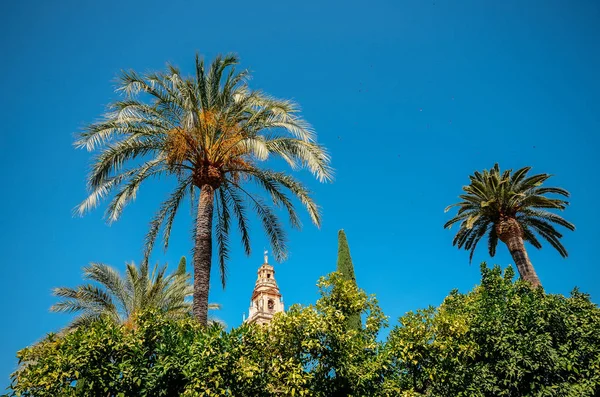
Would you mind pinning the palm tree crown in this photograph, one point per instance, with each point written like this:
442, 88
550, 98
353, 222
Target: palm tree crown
211, 132
118, 298
507, 205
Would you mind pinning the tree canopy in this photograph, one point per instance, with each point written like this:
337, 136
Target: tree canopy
511, 207
212, 135
501, 339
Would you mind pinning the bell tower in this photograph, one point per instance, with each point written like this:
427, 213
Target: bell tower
266, 299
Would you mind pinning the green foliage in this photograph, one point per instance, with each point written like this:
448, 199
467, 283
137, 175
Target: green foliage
344, 261
181, 268
346, 268
118, 298
501, 339
494, 196
318, 348
306, 352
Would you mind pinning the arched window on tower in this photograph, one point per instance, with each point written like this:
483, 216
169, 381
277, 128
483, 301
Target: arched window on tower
271, 304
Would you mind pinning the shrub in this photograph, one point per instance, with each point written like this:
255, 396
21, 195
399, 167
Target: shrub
501, 339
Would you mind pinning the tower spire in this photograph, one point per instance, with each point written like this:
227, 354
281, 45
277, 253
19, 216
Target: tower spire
266, 299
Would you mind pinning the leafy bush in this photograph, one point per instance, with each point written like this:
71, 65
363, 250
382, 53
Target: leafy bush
501, 339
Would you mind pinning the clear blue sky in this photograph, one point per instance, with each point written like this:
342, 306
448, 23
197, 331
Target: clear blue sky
409, 96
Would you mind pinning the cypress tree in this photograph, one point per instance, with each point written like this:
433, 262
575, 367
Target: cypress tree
181, 268
346, 268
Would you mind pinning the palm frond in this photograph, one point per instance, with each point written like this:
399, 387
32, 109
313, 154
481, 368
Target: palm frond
101, 191
114, 156
308, 154
118, 298
529, 236
273, 187
167, 211
492, 241
300, 191
476, 236
239, 210
270, 223
109, 278
222, 221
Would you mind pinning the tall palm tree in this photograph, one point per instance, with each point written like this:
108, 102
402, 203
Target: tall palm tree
210, 132
118, 298
509, 207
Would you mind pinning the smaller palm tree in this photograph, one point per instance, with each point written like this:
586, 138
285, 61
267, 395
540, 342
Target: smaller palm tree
509, 207
118, 298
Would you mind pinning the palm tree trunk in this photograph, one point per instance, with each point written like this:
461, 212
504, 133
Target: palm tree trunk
510, 233
203, 253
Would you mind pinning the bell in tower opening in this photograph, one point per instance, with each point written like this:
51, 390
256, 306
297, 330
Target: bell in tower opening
266, 299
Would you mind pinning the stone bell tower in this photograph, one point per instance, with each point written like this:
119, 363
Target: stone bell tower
266, 299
